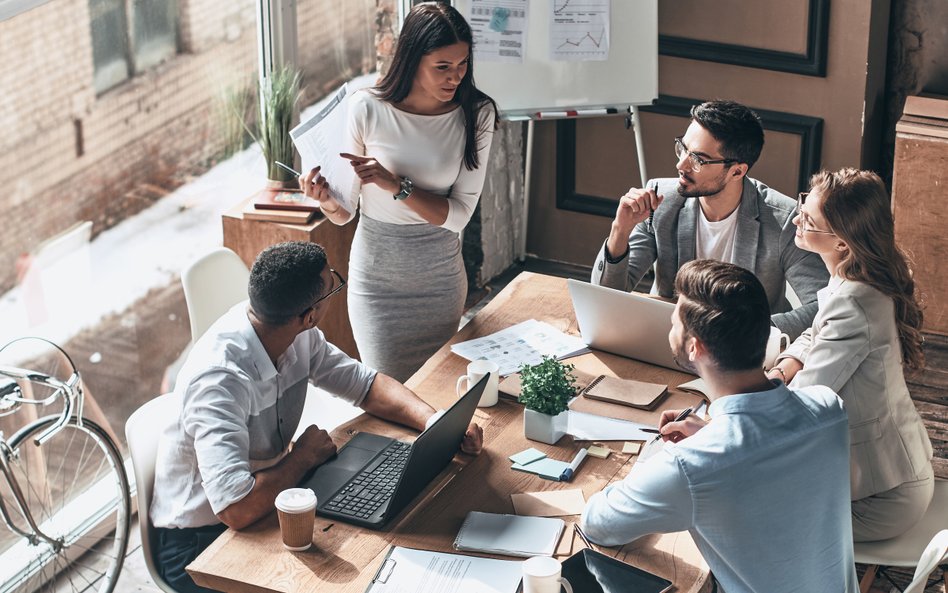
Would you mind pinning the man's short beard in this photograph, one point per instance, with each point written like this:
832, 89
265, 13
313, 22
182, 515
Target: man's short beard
681, 359
702, 192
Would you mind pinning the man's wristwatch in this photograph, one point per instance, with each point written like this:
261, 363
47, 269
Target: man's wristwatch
405, 189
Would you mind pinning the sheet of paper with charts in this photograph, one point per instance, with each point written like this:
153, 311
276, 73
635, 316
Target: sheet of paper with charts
320, 138
526, 342
407, 569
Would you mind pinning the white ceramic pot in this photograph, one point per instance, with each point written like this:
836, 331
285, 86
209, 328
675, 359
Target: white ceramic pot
544, 427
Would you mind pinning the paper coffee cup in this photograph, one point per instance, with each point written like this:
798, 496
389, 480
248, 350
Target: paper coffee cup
296, 508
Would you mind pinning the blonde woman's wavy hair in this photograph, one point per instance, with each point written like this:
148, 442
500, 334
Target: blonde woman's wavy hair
856, 207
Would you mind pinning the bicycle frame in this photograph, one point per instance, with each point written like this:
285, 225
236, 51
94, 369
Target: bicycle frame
70, 391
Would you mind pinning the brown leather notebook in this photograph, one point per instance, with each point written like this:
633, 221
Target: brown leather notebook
626, 392
676, 400
510, 385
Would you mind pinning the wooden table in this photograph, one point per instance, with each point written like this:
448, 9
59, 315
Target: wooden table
345, 558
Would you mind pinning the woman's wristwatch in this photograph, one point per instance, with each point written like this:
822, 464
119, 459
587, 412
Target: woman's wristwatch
406, 186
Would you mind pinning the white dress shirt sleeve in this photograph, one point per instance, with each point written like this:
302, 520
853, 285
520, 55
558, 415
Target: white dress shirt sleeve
214, 415
336, 372
462, 199
653, 498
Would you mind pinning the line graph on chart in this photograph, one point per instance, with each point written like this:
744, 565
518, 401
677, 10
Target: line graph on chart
579, 30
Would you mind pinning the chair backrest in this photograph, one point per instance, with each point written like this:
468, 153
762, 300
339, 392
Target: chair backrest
935, 553
213, 284
142, 430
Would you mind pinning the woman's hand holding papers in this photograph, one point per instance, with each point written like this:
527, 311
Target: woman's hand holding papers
315, 186
674, 431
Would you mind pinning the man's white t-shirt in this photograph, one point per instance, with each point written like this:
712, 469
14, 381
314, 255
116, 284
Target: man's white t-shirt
715, 240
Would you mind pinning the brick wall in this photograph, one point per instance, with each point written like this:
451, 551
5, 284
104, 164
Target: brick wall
143, 133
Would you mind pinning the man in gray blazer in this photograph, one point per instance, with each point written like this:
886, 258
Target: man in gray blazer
734, 219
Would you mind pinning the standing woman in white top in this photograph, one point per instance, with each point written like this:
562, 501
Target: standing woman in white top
867, 328
419, 142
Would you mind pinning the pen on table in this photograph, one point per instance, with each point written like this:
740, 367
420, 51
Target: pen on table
289, 168
583, 537
681, 416
567, 474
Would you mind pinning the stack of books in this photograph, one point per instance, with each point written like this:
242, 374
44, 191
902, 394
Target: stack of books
286, 206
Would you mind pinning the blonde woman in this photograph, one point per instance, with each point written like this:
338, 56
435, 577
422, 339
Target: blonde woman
866, 330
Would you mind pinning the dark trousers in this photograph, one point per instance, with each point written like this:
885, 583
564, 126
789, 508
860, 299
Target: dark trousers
179, 547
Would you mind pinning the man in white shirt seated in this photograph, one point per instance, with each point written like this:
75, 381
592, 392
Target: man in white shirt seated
712, 210
763, 486
242, 391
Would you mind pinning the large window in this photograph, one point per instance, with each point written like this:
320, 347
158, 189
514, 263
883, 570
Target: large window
130, 36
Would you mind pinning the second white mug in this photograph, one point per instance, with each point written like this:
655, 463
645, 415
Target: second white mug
475, 371
541, 574
777, 342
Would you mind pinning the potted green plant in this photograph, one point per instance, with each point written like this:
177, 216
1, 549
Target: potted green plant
279, 95
545, 391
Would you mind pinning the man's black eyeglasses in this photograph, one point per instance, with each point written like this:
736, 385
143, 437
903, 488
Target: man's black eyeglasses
696, 161
338, 284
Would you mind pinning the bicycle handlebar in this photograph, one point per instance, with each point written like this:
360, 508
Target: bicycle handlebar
69, 390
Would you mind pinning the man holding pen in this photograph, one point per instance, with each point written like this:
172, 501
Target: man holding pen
763, 486
713, 210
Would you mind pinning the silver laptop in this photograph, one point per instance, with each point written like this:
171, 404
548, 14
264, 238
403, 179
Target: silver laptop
624, 323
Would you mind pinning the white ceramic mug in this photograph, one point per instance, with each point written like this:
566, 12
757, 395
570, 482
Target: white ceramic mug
475, 371
776, 343
541, 574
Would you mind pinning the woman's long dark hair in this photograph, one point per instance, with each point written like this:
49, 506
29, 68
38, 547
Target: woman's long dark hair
856, 206
430, 26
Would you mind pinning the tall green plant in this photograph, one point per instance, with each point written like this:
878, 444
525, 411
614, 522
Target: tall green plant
547, 387
279, 95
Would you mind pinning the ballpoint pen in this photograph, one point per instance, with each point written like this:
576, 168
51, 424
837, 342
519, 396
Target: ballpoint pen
567, 474
583, 537
681, 416
651, 211
289, 168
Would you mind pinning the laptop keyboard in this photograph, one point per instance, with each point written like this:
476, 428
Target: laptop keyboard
374, 485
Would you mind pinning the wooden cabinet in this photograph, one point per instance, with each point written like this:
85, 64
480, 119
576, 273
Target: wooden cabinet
247, 238
920, 201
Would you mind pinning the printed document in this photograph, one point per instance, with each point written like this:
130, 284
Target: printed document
524, 343
499, 28
579, 30
321, 138
406, 569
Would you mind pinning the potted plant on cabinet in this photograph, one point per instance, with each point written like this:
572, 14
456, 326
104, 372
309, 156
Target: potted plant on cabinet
279, 95
545, 391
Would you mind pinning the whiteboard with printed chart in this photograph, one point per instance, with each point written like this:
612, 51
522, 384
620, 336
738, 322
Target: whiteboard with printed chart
559, 56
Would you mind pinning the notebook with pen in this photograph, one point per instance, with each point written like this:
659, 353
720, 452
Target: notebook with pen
509, 535
626, 392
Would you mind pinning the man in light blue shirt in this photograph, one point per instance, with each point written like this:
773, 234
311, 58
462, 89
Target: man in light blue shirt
763, 486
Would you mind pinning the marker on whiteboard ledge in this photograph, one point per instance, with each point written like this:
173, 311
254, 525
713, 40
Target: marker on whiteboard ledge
576, 113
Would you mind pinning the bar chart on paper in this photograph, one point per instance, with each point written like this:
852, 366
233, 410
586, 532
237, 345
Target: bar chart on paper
579, 30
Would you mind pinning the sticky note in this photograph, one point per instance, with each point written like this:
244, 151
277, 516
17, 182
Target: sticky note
528, 456
632, 447
599, 451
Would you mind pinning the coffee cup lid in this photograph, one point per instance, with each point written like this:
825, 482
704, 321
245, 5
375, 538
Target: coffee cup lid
296, 500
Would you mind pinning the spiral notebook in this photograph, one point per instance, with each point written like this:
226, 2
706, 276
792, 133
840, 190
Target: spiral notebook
509, 535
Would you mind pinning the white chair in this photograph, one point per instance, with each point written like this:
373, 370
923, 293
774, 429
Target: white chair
213, 284
142, 430
906, 549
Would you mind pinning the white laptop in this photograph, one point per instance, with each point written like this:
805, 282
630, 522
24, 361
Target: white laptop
624, 323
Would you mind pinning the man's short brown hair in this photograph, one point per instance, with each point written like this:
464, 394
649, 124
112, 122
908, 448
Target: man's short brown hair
726, 307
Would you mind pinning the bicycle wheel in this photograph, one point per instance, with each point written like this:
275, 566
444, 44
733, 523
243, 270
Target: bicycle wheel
77, 491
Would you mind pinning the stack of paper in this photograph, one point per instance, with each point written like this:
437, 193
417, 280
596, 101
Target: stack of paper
524, 343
